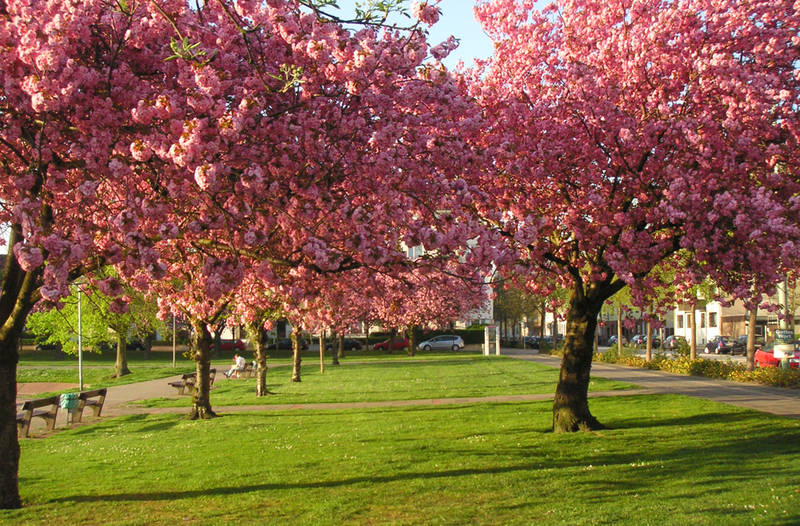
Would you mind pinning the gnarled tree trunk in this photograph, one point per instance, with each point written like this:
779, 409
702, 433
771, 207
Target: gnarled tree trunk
571, 404
201, 347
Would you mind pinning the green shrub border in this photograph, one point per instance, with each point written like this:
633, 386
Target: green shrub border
725, 370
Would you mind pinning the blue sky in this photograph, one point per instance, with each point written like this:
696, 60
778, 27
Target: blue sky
457, 19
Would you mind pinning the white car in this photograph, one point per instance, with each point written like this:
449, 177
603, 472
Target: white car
445, 341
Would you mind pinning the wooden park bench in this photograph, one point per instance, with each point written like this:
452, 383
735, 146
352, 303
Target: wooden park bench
46, 408
94, 399
188, 381
249, 371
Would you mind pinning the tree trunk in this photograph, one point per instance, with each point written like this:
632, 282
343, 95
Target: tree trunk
751, 339
321, 352
619, 330
201, 346
147, 344
217, 343
339, 346
391, 340
542, 321
335, 352
296, 356
20, 291
649, 348
121, 365
571, 403
412, 344
9, 442
258, 335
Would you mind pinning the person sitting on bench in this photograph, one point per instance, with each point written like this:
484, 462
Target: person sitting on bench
238, 366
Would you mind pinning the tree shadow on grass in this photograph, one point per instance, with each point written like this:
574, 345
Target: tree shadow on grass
352, 481
151, 423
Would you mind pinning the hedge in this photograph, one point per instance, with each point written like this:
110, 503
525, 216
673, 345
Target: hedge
727, 370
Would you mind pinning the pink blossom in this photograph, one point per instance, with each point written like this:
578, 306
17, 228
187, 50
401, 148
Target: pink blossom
426, 12
28, 257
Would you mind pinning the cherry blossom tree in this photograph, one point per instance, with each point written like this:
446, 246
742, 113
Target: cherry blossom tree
68, 87
630, 134
307, 148
190, 145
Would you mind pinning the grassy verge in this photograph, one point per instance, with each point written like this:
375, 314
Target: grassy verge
669, 460
410, 379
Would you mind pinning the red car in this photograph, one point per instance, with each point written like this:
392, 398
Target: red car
231, 345
399, 343
764, 358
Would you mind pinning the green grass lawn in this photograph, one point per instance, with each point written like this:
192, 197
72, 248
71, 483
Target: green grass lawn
668, 460
391, 379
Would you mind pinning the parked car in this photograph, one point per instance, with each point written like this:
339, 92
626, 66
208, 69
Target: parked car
133, 345
641, 340
509, 341
719, 345
399, 343
672, 342
549, 339
532, 342
765, 357
444, 341
43, 346
231, 345
348, 344
286, 344
739, 345
612, 340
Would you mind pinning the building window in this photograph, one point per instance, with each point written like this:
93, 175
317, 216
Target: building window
712, 319
679, 319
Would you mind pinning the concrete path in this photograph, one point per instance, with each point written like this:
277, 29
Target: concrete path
783, 402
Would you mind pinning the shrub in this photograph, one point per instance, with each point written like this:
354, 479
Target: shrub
725, 370
682, 348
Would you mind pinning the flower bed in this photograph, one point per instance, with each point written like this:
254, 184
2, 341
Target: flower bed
725, 370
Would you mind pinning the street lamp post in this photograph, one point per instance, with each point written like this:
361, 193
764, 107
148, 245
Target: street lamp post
80, 340
173, 341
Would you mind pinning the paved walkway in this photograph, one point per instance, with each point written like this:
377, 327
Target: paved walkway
783, 402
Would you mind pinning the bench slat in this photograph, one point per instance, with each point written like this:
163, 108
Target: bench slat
94, 399
45, 408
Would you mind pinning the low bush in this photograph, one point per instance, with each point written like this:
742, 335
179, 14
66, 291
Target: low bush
724, 370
